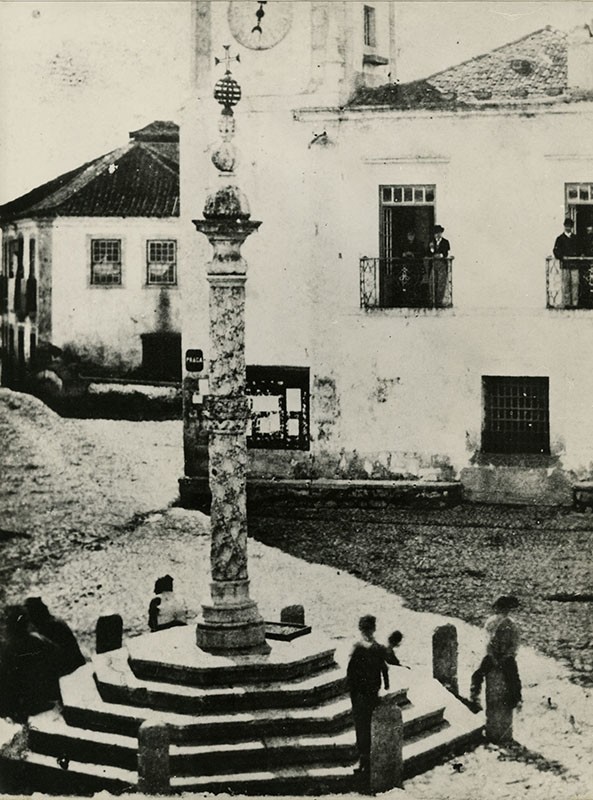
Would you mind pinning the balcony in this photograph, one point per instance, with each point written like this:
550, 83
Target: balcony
569, 283
406, 282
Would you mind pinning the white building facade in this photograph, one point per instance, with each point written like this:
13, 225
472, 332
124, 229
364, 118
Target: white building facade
474, 368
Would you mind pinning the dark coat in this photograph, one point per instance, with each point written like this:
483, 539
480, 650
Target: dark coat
441, 248
566, 246
365, 669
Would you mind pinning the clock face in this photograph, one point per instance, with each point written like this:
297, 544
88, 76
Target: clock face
259, 25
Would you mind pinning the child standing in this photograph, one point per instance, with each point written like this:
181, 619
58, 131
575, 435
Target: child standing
366, 668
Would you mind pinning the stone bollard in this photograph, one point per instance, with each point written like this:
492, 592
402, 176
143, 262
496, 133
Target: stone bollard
295, 615
108, 633
154, 775
499, 714
387, 738
444, 657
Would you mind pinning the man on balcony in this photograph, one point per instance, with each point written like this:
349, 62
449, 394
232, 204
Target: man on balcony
566, 249
437, 269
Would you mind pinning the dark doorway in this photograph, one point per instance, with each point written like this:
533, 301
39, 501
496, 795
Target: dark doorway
161, 356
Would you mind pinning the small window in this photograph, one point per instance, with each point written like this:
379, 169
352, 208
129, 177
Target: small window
516, 415
106, 262
161, 262
279, 402
32, 257
370, 32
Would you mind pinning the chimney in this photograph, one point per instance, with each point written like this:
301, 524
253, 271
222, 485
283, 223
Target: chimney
580, 59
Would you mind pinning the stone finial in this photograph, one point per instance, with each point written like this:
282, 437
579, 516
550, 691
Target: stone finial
387, 738
444, 657
295, 615
499, 712
154, 774
108, 633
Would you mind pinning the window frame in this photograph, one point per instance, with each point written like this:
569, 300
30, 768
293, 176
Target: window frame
105, 284
150, 262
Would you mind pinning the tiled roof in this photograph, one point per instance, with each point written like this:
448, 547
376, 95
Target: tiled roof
140, 179
534, 66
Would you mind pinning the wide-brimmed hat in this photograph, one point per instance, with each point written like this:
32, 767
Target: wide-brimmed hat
438, 229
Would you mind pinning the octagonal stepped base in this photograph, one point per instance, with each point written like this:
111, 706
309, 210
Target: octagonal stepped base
260, 724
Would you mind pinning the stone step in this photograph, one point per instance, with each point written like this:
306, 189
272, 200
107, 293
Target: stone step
117, 684
49, 734
172, 656
84, 708
44, 774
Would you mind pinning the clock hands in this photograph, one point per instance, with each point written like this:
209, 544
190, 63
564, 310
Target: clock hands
260, 14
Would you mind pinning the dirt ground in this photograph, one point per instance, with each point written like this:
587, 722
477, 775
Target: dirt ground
88, 522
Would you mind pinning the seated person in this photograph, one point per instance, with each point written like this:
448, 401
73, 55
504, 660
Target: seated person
165, 610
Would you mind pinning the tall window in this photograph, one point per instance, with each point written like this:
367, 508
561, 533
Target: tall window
161, 262
279, 400
32, 257
106, 262
516, 415
370, 31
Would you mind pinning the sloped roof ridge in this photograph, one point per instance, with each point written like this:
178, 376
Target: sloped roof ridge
148, 147
80, 181
495, 50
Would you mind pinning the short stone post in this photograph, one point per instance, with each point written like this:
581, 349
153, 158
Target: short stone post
499, 713
387, 738
154, 775
444, 657
108, 633
294, 615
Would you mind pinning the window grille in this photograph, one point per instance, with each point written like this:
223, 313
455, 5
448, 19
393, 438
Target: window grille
516, 415
279, 402
106, 262
161, 258
370, 32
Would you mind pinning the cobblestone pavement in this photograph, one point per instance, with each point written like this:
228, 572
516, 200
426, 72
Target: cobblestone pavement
455, 561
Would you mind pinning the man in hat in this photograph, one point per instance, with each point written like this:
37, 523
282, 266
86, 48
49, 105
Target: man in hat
501, 651
366, 667
567, 248
438, 251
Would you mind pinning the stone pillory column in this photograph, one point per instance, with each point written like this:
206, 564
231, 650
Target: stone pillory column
231, 622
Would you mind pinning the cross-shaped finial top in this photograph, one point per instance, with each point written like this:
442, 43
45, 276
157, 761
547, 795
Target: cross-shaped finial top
226, 59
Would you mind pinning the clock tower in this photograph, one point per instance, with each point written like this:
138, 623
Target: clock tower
303, 52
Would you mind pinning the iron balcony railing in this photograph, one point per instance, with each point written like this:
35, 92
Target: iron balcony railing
569, 282
406, 282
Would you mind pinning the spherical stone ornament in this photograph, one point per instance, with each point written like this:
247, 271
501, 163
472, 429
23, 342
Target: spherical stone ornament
224, 157
229, 202
227, 91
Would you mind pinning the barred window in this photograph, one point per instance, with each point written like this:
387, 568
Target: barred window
161, 262
106, 262
516, 415
279, 401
